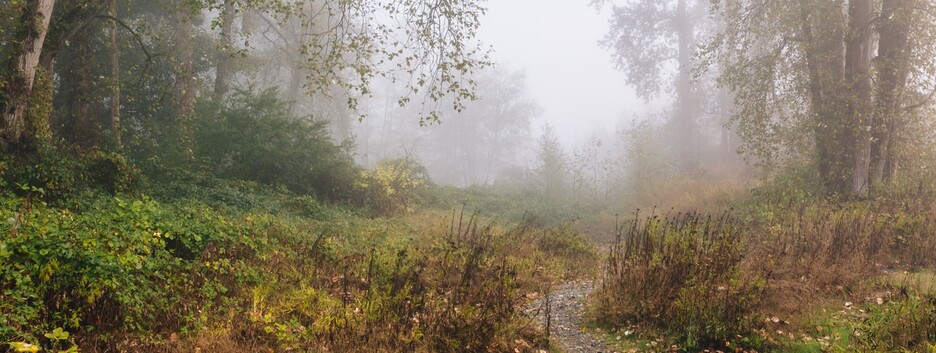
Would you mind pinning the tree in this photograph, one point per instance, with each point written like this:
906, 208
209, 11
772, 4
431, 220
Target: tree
551, 166
858, 71
18, 85
185, 77
587, 171
472, 146
805, 82
225, 48
648, 39
893, 66
115, 76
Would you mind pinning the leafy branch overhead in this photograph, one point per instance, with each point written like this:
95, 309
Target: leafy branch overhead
429, 45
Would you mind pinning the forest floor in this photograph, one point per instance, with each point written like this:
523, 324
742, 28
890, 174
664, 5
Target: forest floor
568, 326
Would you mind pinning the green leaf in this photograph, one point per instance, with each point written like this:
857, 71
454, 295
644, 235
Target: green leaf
24, 347
57, 334
72, 349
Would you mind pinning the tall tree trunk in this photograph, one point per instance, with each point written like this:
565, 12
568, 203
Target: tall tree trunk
823, 29
115, 77
730, 141
685, 102
295, 89
223, 69
860, 108
35, 22
82, 125
185, 83
892, 65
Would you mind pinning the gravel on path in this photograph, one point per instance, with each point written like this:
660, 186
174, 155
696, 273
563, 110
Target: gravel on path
567, 324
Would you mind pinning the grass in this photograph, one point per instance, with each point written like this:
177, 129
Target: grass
797, 261
900, 317
680, 274
239, 267
923, 282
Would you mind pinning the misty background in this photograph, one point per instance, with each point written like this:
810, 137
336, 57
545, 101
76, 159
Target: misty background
549, 53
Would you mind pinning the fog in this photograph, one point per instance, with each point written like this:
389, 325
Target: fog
438, 175
566, 79
569, 74
564, 63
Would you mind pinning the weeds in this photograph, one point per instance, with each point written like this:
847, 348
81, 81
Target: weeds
708, 281
817, 251
908, 324
459, 291
681, 274
136, 274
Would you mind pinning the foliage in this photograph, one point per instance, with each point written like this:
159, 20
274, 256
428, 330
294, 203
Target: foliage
393, 186
906, 324
252, 137
507, 204
458, 291
551, 166
648, 159
113, 263
820, 254
472, 147
428, 45
58, 338
800, 99
644, 38
681, 274
227, 195
61, 175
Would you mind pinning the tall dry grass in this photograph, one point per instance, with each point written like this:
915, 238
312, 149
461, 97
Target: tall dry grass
707, 280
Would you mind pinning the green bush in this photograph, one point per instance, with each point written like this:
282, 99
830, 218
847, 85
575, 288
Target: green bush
61, 175
393, 186
252, 137
463, 290
56, 173
130, 264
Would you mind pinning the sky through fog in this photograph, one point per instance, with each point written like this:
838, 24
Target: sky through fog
568, 73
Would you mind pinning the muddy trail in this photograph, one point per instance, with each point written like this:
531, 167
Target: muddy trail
567, 319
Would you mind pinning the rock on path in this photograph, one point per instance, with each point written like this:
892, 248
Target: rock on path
568, 311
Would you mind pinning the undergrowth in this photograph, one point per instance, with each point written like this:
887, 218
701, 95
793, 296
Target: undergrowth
233, 266
680, 274
791, 272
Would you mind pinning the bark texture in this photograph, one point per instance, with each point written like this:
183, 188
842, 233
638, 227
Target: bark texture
35, 24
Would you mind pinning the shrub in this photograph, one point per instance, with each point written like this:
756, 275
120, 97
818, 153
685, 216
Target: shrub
393, 186
815, 249
679, 274
253, 137
56, 173
117, 264
458, 291
62, 175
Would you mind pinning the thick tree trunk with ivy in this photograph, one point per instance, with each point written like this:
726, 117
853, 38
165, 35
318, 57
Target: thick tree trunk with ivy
860, 106
15, 129
893, 67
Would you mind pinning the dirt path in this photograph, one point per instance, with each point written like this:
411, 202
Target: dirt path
568, 311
